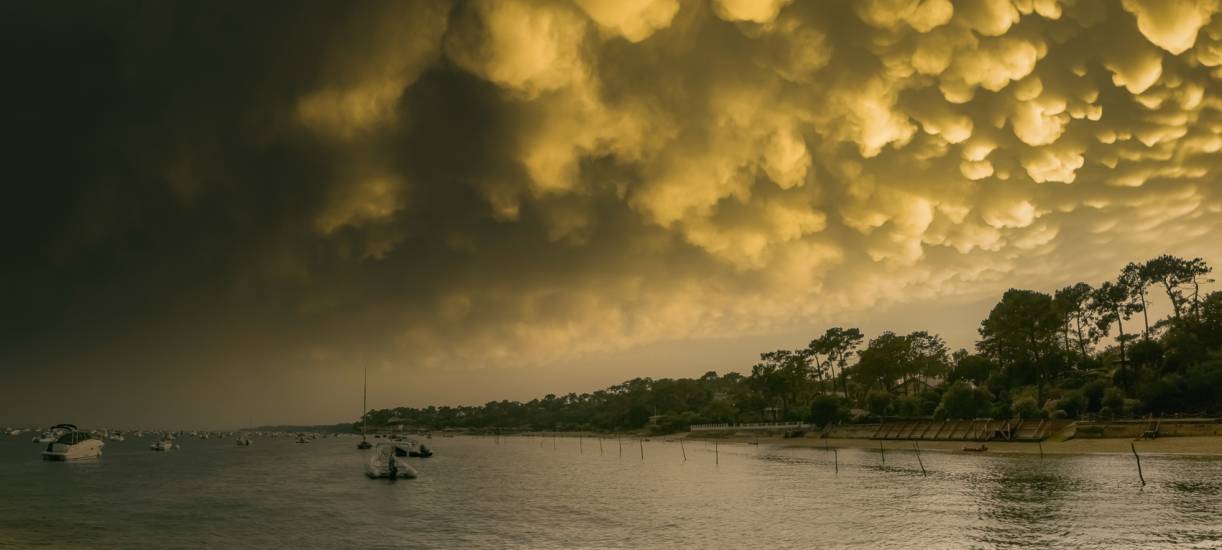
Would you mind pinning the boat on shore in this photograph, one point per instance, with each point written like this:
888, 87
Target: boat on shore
387, 462
73, 444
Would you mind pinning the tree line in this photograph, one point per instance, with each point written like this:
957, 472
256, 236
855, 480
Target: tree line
1080, 351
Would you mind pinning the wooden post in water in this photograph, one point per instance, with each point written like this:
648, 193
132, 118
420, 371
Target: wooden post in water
684, 451
1138, 457
836, 460
554, 436
919, 461
882, 451
600, 445
1041, 444
641, 440
581, 446
621, 444
716, 453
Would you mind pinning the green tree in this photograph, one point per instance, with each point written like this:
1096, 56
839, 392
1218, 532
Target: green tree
837, 345
1136, 280
1111, 304
1020, 330
1179, 276
962, 401
879, 402
826, 408
1073, 305
974, 368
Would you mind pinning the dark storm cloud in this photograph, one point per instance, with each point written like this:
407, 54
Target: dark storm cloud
251, 189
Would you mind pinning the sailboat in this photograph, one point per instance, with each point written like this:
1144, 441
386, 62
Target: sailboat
364, 411
243, 437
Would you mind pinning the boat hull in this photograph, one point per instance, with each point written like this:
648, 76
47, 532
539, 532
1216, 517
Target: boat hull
383, 471
59, 452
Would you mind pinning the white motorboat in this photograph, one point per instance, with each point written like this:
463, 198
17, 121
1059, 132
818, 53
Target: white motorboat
165, 444
73, 445
387, 461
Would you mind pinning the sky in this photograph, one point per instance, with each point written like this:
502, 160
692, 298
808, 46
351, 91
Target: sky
221, 213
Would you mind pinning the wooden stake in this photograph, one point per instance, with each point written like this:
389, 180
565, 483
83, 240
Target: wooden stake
1138, 457
716, 453
1041, 444
836, 459
554, 436
918, 453
600, 445
882, 451
684, 451
642, 442
621, 445
581, 446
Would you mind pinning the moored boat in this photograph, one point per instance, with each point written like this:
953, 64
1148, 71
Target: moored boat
387, 462
73, 445
164, 444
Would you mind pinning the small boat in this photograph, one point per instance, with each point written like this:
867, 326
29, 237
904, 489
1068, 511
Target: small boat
73, 445
419, 450
244, 440
165, 444
387, 462
975, 448
301, 438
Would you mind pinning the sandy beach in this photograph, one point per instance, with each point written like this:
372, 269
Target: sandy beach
1204, 445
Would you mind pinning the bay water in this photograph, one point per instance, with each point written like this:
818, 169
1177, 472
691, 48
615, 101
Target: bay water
543, 492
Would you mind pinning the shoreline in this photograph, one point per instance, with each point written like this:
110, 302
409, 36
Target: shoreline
1186, 445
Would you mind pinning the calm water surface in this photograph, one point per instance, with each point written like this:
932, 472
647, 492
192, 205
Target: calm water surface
476, 493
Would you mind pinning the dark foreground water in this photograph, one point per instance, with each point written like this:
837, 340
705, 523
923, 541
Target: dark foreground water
523, 493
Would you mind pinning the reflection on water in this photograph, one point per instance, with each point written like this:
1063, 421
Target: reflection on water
525, 493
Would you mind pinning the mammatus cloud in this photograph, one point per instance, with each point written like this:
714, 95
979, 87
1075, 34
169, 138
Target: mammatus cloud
510, 182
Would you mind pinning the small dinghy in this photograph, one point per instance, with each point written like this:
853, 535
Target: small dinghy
975, 448
420, 450
387, 462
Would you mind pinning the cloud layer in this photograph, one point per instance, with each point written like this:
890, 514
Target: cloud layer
513, 182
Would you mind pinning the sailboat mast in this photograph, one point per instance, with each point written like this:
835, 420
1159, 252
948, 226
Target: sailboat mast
364, 402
